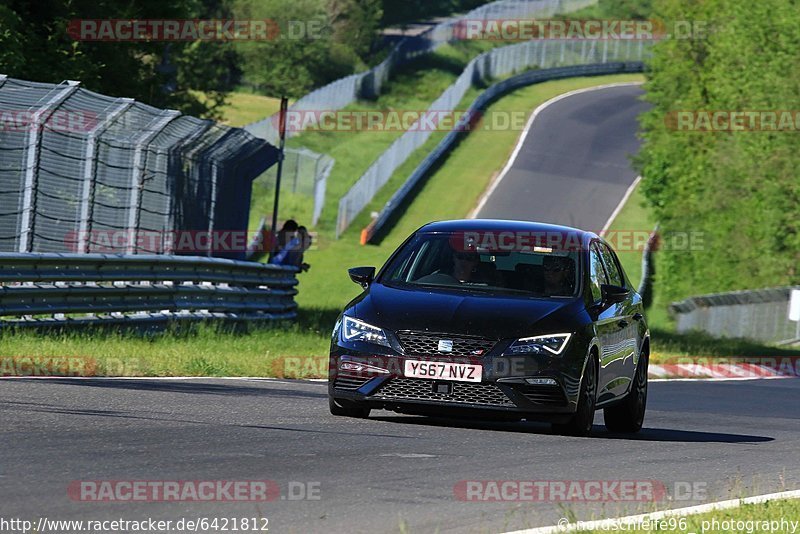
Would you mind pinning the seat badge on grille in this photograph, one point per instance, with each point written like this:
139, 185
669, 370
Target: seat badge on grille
445, 345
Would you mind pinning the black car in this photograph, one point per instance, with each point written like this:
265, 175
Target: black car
499, 319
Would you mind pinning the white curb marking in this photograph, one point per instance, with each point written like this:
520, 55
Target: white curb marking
524, 136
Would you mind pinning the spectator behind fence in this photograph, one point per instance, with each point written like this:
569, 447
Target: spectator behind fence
291, 246
282, 240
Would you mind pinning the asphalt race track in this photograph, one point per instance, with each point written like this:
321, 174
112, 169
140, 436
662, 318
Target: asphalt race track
371, 475
574, 165
702, 440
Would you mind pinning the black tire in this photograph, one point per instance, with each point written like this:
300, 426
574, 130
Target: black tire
580, 424
347, 409
628, 415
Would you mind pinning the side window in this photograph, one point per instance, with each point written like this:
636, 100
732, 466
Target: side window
610, 263
596, 273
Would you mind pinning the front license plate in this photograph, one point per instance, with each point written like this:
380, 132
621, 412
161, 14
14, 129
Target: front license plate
459, 372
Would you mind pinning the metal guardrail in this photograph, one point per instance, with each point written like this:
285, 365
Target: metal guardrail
79, 169
493, 64
760, 314
53, 289
648, 270
497, 90
369, 84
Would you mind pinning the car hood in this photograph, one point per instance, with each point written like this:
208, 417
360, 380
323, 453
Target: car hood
460, 312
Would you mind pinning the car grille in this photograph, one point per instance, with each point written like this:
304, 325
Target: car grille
428, 344
463, 392
551, 395
350, 382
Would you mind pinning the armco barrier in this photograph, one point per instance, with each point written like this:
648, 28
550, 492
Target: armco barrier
41, 289
761, 314
369, 84
380, 223
648, 269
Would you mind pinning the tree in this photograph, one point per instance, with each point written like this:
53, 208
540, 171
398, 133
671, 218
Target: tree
35, 44
739, 190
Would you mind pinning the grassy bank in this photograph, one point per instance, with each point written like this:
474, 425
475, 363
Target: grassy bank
750, 518
450, 192
242, 108
413, 87
299, 351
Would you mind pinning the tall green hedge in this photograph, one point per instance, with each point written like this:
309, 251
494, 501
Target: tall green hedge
740, 190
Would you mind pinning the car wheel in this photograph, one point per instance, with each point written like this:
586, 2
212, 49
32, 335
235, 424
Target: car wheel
628, 415
347, 409
580, 424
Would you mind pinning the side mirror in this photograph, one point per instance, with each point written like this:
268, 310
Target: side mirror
613, 294
362, 276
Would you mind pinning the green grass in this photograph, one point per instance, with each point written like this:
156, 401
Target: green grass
755, 514
413, 87
243, 108
300, 350
634, 220
195, 350
451, 192
671, 347
668, 346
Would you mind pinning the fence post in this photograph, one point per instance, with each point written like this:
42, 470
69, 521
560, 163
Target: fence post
137, 176
89, 172
28, 219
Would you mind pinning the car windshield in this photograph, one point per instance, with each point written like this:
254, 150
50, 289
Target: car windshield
446, 260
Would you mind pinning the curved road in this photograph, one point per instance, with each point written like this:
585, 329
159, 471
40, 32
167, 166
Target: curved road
574, 166
377, 474
393, 472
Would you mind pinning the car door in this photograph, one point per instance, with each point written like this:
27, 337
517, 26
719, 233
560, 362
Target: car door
627, 334
606, 328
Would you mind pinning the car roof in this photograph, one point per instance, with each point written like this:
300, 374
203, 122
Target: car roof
501, 225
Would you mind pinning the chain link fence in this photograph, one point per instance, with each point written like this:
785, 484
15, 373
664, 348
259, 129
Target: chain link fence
304, 173
83, 172
471, 116
493, 64
310, 176
761, 314
369, 84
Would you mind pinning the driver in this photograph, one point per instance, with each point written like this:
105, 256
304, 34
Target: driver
465, 263
557, 275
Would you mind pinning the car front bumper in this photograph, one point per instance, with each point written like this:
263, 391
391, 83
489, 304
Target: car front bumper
504, 390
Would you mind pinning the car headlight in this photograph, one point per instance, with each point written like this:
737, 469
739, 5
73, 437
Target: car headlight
355, 330
549, 344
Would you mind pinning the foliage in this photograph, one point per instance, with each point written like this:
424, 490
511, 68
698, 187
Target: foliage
35, 45
401, 13
320, 41
740, 190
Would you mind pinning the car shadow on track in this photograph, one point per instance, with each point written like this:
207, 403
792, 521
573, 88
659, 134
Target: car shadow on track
598, 431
